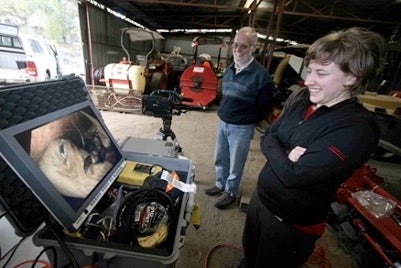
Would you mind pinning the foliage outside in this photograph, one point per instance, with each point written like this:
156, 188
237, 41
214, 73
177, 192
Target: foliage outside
54, 20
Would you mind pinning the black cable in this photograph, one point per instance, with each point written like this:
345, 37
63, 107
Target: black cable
12, 251
62, 243
1, 216
43, 251
4, 213
126, 218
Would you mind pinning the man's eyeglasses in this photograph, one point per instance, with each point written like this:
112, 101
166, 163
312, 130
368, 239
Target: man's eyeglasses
241, 46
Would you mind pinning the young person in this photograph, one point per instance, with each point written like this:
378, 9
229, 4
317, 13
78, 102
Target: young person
312, 148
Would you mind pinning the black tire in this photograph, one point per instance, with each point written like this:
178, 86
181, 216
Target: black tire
157, 81
98, 73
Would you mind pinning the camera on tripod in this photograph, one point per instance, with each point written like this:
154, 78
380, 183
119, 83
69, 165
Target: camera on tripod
163, 103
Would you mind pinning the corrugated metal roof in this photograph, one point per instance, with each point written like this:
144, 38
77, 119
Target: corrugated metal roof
299, 20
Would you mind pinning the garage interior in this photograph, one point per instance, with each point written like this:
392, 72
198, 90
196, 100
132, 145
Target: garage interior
280, 23
283, 24
286, 27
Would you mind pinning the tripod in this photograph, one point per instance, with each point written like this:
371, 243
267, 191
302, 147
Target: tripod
165, 132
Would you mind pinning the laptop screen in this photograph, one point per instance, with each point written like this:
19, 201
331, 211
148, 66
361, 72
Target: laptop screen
67, 158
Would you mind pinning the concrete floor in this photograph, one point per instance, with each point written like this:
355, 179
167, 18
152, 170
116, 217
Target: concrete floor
217, 243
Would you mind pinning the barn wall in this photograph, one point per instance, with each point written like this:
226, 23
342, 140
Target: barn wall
100, 32
185, 43
101, 36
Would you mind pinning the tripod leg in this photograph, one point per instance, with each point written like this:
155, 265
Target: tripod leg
165, 132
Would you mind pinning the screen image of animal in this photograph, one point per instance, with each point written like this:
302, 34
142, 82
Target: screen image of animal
73, 152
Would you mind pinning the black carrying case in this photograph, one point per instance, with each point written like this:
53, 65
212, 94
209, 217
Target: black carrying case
26, 213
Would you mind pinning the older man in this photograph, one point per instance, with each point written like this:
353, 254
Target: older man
246, 98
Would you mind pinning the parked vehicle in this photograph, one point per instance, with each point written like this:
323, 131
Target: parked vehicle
25, 58
13, 61
43, 56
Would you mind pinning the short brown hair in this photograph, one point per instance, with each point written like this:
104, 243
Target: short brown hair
356, 51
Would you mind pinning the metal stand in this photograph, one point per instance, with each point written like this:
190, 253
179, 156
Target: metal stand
165, 132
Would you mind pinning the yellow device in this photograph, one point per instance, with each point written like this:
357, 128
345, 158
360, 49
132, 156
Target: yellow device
135, 173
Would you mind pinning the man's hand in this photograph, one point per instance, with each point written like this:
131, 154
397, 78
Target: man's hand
296, 153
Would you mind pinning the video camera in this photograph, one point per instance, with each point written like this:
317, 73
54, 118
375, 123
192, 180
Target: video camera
163, 103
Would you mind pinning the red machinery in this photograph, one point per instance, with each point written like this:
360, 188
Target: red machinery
379, 236
199, 82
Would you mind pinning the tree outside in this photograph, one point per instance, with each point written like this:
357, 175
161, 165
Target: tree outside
54, 20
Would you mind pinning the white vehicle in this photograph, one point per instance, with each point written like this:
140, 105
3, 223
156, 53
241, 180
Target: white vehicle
41, 58
25, 58
12, 56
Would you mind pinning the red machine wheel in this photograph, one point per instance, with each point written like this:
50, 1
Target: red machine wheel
199, 84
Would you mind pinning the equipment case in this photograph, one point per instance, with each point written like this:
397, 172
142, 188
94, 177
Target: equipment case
26, 213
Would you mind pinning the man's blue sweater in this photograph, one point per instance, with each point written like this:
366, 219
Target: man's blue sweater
246, 96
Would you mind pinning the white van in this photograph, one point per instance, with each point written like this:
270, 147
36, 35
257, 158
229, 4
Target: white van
25, 58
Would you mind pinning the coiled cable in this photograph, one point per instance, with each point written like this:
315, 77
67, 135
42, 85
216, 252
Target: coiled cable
142, 213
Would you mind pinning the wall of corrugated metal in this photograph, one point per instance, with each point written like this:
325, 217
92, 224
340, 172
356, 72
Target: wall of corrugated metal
101, 34
101, 30
106, 37
188, 50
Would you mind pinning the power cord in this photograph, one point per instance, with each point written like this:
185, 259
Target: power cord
220, 246
53, 250
34, 262
11, 252
62, 243
131, 225
4, 213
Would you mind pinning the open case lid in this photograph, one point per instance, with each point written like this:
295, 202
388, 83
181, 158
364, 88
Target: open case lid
56, 154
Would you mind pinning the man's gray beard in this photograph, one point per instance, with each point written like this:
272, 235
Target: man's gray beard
242, 61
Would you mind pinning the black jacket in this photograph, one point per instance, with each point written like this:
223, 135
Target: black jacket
338, 139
